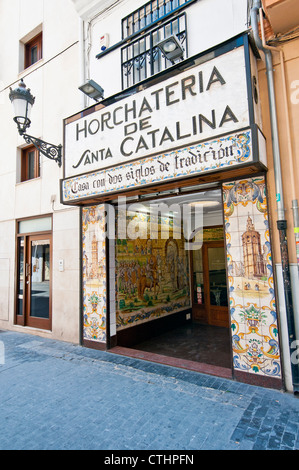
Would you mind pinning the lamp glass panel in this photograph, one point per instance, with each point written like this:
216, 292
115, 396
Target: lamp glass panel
170, 46
19, 106
88, 88
22, 108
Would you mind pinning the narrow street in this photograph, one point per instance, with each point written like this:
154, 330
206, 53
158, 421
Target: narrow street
60, 396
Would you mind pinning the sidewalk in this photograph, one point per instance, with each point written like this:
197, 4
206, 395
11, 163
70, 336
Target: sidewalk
60, 396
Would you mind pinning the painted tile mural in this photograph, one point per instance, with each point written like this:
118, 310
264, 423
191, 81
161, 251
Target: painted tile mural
94, 273
250, 274
152, 274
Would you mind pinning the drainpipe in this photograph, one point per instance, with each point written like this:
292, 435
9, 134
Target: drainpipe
281, 222
279, 50
82, 61
295, 209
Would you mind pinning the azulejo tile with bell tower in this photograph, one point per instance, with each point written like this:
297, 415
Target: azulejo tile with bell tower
253, 315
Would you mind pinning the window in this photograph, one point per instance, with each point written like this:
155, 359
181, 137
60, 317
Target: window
148, 14
29, 163
141, 58
33, 50
142, 31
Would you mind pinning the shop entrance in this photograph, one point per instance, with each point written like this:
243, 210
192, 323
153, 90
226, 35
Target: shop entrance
171, 286
209, 304
33, 304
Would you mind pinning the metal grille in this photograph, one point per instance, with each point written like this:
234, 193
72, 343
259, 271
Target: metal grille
148, 14
141, 58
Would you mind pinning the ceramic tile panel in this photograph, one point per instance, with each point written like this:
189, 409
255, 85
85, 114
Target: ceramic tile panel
253, 316
152, 272
216, 154
94, 273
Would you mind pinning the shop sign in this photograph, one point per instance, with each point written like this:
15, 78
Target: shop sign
197, 105
221, 153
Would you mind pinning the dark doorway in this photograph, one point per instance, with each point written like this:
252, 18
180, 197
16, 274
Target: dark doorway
198, 333
193, 342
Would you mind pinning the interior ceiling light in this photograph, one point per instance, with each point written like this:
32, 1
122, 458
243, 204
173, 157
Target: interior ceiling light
92, 89
171, 48
205, 203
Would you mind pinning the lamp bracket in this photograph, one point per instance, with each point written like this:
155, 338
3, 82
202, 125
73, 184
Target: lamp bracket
53, 152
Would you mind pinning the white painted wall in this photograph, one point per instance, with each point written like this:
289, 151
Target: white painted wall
71, 32
210, 22
53, 81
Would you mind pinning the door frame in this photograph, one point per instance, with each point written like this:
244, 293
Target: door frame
23, 318
212, 321
206, 308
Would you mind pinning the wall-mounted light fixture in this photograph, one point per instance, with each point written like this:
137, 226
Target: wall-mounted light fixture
92, 89
23, 101
171, 48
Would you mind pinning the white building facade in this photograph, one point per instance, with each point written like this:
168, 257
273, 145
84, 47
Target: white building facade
83, 258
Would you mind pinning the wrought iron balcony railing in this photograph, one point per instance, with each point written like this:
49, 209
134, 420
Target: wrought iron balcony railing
149, 13
141, 58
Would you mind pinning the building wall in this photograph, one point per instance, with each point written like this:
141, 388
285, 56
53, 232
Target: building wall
288, 138
71, 32
287, 103
53, 81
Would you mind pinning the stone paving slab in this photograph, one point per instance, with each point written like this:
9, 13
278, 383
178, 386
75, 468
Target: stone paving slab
59, 396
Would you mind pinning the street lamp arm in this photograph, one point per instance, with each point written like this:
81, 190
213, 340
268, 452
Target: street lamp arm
53, 152
23, 100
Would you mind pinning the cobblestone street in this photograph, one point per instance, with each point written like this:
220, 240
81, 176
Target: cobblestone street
60, 396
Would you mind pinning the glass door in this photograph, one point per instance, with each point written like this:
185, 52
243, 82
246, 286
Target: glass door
217, 284
199, 303
210, 302
20, 281
38, 281
34, 281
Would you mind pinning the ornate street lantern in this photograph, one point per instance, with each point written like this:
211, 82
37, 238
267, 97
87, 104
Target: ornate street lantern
23, 101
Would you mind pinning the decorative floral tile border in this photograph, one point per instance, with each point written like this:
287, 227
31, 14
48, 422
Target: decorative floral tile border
94, 273
255, 342
217, 154
253, 315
